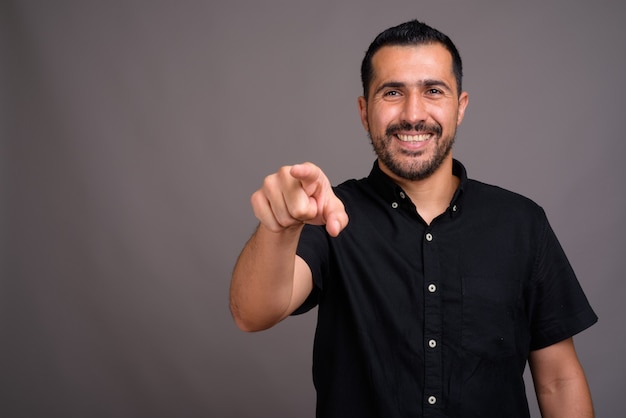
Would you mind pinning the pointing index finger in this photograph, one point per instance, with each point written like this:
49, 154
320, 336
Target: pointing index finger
310, 176
317, 186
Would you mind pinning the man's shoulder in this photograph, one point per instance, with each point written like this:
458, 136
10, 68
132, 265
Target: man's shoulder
489, 196
352, 186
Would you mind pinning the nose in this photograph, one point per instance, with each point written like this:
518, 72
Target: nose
414, 109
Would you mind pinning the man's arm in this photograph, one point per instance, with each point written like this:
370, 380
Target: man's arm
269, 281
560, 382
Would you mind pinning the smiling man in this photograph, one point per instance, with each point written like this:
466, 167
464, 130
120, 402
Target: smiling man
433, 290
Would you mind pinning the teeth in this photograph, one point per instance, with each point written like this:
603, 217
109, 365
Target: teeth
413, 138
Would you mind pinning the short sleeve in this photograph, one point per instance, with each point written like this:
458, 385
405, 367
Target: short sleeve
313, 249
559, 308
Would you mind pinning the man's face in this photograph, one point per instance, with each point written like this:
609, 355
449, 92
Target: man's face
413, 109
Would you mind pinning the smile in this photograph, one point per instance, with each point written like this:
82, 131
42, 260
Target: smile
414, 138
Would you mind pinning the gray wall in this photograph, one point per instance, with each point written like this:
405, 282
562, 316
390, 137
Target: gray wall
134, 132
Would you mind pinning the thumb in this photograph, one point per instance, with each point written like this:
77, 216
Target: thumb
335, 215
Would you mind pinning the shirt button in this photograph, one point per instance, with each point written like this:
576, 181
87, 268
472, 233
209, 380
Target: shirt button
402, 195
432, 400
429, 237
432, 288
432, 343
394, 205
454, 208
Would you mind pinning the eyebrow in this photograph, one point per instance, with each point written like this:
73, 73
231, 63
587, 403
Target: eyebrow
422, 83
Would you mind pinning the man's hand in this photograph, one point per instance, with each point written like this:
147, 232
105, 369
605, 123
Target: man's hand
296, 195
269, 280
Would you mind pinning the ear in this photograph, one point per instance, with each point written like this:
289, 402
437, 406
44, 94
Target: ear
463, 102
363, 112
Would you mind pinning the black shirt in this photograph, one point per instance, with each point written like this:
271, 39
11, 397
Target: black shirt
436, 320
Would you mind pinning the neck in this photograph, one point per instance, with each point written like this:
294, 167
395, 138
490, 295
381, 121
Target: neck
431, 196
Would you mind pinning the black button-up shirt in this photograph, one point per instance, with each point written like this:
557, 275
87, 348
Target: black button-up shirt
419, 320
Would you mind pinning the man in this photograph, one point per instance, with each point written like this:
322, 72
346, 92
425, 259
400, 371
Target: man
433, 290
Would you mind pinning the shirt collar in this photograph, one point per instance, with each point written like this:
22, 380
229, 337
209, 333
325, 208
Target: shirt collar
391, 192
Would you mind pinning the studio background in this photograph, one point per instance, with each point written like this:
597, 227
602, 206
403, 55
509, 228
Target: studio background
134, 132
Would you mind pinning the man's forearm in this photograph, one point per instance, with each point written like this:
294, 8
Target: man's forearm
262, 281
569, 398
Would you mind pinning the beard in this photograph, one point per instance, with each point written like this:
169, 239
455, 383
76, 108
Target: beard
413, 167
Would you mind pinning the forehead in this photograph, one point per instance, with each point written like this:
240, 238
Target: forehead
412, 63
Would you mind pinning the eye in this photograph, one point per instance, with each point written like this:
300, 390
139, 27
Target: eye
391, 93
434, 91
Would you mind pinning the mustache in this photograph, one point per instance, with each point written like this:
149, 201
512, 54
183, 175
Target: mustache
419, 127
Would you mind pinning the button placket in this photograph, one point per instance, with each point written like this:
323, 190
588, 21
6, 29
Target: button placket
432, 324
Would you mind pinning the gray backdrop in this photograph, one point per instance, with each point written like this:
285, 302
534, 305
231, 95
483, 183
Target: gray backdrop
134, 132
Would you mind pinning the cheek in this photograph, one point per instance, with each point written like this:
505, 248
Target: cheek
447, 119
381, 118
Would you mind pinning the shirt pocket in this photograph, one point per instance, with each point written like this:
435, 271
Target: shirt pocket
488, 319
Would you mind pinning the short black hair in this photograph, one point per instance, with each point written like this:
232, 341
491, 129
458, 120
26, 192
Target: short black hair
413, 32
